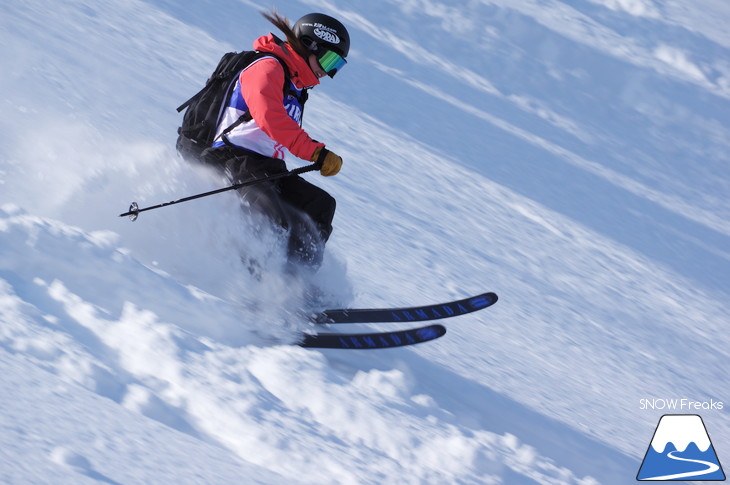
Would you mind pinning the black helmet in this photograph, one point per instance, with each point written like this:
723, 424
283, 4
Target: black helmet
317, 30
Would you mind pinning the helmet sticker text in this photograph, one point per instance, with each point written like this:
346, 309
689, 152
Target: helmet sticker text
327, 34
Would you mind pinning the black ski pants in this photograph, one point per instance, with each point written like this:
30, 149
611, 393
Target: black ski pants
302, 209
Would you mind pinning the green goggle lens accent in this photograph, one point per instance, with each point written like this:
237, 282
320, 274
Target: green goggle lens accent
331, 62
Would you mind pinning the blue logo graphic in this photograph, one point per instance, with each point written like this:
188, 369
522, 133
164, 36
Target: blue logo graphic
681, 450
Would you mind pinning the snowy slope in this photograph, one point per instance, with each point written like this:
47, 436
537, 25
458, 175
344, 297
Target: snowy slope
571, 156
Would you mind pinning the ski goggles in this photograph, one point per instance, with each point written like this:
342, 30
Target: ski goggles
330, 61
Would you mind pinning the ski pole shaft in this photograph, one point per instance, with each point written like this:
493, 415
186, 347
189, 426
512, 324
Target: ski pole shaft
134, 209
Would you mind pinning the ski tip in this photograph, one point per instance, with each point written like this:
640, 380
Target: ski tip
482, 301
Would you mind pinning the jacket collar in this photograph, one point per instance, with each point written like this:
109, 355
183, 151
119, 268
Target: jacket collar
301, 74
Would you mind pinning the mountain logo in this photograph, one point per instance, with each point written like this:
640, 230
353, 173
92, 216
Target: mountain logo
681, 450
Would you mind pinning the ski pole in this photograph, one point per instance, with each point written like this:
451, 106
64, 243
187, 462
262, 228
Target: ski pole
134, 209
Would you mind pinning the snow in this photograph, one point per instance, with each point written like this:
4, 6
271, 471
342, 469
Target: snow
570, 156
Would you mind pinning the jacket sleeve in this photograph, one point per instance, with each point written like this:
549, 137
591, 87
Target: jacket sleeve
262, 86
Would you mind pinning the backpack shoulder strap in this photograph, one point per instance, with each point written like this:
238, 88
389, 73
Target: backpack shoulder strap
287, 77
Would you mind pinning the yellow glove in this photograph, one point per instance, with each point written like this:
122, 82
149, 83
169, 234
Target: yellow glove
330, 162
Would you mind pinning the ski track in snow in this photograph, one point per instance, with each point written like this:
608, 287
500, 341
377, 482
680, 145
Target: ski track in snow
571, 160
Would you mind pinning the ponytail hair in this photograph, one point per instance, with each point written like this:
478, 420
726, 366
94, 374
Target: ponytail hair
282, 23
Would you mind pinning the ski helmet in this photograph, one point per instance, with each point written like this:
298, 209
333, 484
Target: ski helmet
322, 34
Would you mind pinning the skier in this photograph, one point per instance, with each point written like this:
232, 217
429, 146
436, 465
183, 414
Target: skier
266, 120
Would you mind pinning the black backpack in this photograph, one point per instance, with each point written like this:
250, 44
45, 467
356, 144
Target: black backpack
205, 109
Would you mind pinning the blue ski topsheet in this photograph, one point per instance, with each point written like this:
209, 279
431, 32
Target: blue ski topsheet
409, 314
374, 340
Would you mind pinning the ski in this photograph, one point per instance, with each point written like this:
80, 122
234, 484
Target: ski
373, 340
410, 314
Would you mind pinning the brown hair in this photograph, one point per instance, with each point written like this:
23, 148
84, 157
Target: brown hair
282, 23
